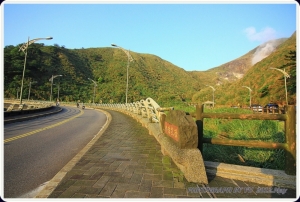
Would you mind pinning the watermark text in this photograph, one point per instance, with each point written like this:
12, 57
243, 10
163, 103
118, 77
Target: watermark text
241, 190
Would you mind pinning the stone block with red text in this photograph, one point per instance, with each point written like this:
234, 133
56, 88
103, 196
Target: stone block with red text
181, 129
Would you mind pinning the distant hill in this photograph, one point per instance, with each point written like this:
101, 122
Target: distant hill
267, 85
149, 75
236, 69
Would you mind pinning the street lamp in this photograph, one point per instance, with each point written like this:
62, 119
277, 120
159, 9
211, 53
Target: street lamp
286, 75
57, 91
249, 92
18, 92
51, 79
31, 82
213, 94
95, 84
130, 59
24, 49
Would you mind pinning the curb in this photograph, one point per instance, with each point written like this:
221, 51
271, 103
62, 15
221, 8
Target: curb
268, 177
52, 184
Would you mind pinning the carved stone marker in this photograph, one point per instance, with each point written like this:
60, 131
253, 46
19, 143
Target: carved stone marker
179, 140
181, 129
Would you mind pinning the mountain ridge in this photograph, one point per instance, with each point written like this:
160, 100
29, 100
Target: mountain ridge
235, 69
149, 75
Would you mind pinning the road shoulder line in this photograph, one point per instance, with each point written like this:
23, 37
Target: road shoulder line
52, 184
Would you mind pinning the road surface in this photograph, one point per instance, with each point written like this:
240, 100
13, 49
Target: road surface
35, 150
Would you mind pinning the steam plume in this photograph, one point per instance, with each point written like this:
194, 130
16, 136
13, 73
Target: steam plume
264, 50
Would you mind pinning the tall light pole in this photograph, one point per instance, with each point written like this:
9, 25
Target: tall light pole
57, 90
130, 59
51, 79
95, 84
213, 94
249, 92
24, 48
31, 82
286, 75
18, 92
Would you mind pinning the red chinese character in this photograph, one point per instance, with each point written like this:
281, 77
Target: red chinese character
176, 134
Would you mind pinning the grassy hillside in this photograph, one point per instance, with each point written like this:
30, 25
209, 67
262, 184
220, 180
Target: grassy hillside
149, 76
236, 69
267, 85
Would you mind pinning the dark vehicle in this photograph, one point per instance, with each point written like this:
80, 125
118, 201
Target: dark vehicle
272, 107
256, 108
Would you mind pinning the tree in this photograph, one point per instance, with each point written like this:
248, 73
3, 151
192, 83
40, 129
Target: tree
290, 66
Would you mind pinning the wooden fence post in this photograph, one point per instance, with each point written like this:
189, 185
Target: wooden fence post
290, 138
199, 123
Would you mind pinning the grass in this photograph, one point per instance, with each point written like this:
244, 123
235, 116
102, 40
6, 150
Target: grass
257, 130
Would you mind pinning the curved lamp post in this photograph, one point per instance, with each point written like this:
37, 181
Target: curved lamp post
57, 91
213, 94
51, 79
31, 82
24, 49
18, 92
286, 75
95, 84
130, 59
249, 93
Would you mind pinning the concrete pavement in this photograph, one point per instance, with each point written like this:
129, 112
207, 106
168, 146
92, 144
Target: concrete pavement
124, 161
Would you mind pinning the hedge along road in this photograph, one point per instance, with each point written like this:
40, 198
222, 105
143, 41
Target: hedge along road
35, 150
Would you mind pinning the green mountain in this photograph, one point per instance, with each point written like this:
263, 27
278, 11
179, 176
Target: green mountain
236, 69
149, 76
267, 85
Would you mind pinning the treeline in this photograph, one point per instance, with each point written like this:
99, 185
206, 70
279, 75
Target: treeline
149, 75
41, 63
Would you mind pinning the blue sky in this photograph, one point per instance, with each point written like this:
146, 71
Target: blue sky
195, 36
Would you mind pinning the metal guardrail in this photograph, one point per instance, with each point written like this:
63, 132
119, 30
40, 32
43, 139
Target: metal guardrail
12, 108
17, 116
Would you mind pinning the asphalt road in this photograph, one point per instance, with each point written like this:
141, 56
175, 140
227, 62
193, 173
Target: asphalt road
35, 150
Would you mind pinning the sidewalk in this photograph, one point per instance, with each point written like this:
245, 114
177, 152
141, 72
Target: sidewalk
126, 162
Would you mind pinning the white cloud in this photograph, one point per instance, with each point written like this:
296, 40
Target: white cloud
264, 35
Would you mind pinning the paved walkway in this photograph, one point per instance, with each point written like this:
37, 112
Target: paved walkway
126, 162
